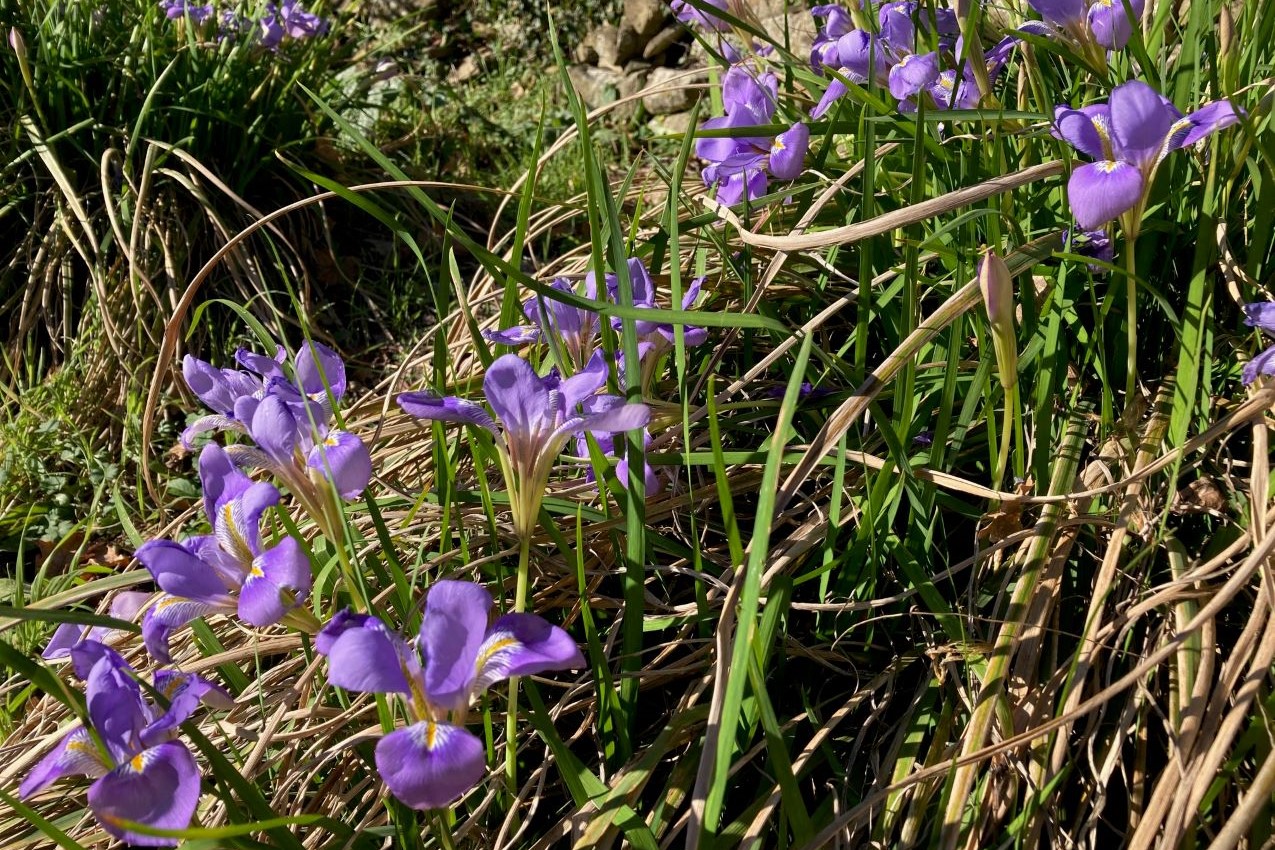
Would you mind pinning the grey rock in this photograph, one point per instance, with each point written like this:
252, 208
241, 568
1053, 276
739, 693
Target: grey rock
603, 39
764, 9
645, 17
675, 124
597, 86
466, 70
663, 40
585, 53
627, 44
634, 80
675, 94
801, 31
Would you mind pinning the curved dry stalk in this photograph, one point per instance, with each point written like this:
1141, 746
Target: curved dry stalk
886, 222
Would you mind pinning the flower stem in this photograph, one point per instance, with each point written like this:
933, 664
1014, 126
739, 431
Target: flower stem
1131, 308
324, 506
511, 716
442, 832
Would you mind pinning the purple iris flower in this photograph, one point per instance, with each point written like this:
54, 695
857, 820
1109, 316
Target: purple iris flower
691, 16
456, 656
232, 25
228, 571
142, 773
1094, 244
220, 389
537, 417
655, 339
298, 23
291, 423
124, 606
176, 9
836, 23
288, 20
951, 91
1105, 23
741, 166
613, 445
1128, 136
1260, 315
887, 58
576, 328
271, 29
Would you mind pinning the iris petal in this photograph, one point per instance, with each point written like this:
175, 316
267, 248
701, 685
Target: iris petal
368, 658
788, 152
1060, 12
1140, 120
520, 645
342, 622
221, 479
452, 632
445, 409
184, 692
274, 428
345, 461
1087, 130
913, 74
158, 787
279, 581
1102, 191
1262, 364
75, 755
1260, 315
429, 765
520, 399
315, 364
179, 572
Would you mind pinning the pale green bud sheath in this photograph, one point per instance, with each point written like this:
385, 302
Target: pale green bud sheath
997, 286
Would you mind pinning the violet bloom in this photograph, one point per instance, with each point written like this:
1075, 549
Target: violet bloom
614, 445
575, 328
177, 9
1128, 136
655, 339
1105, 23
741, 166
298, 23
125, 606
232, 26
836, 23
888, 58
1262, 316
291, 423
537, 417
270, 29
228, 571
288, 20
951, 91
456, 656
142, 773
1094, 244
691, 16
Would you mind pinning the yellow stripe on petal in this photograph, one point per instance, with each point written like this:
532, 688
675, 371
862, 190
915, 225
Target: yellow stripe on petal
492, 649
